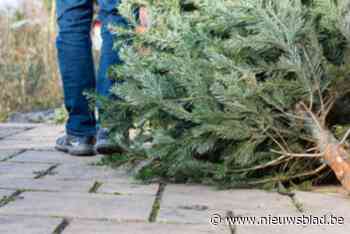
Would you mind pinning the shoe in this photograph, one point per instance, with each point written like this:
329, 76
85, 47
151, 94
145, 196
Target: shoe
104, 145
76, 146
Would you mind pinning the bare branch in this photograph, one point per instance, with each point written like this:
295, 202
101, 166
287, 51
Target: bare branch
345, 137
294, 155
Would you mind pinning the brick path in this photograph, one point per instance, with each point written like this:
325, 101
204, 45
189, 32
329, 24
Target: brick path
47, 192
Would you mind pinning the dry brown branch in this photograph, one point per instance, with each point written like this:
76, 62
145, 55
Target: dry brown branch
287, 178
345, 137
294, 155
269, 164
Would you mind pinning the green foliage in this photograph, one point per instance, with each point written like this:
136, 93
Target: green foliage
216, 93
61, 115
114, 160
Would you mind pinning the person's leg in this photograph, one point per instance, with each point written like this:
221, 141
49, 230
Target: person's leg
76, 64
108, 15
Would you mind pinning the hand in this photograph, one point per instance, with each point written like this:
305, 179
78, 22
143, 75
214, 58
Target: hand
144, 20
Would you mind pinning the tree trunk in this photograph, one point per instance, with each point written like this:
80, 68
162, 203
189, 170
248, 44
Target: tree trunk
335, 154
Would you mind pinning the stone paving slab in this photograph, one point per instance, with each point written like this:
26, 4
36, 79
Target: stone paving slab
21, 125
28, 225
5, 154
6, 131
53, 157
96, 227
5, 193
89, 172
85, 206
321, 204
30, 144
326, 229
40, 132
292, 229
20, 170
112, 187
40, 137
287, 229
45, 184
196, 204
126, 203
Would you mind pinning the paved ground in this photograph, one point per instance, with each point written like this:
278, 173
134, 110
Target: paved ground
46, 192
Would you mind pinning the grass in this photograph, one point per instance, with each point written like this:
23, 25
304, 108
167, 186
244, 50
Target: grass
28, 72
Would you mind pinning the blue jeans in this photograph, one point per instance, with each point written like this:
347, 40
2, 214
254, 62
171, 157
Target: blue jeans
75, 58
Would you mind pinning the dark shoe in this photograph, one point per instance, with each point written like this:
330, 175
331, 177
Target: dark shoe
104, 145
76, 146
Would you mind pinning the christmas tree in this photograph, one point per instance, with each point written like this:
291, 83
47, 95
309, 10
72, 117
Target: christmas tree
234, 92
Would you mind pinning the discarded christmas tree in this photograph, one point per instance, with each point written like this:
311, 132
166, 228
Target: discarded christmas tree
235, 92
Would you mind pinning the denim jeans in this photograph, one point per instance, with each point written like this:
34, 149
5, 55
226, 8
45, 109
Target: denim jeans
75, 58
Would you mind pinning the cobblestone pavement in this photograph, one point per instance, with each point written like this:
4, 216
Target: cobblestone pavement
46, 192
